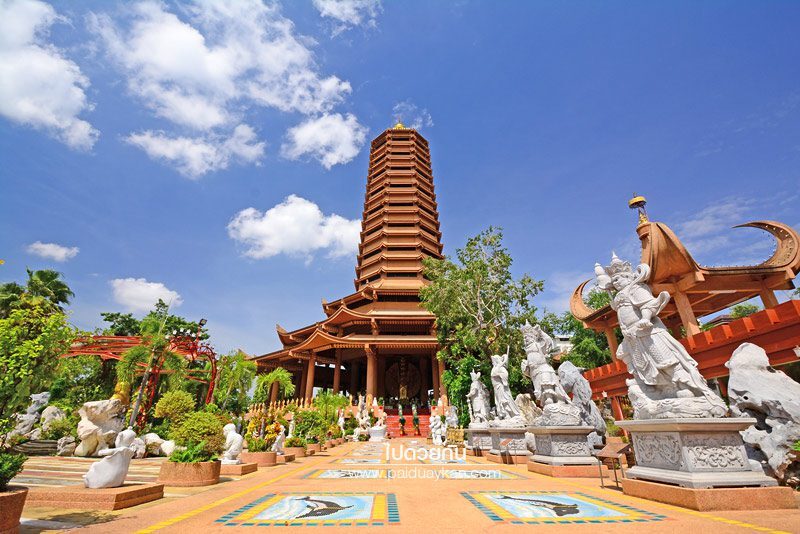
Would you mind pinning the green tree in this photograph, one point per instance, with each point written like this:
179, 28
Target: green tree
82, 379
264, 384
328, 403
32, 338
44, 284
743, 310
235, 377
120, 324
175, 406
479, 308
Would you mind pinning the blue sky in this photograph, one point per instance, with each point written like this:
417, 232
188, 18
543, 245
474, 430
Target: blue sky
143, 134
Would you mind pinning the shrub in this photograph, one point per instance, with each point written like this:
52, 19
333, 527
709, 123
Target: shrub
192, 454
295, 441
10, 465
200, 426
363, 437
174, 406
60, 428
255, 444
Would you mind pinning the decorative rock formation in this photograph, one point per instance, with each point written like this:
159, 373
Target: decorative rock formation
529, 410
572, 380
234, 443
66, 446
153, 443
50, 415
26, 421
666, 382
110, 472
168, 447
478, 402
757, 390
100, 422
507, 413
139, 448
557, 408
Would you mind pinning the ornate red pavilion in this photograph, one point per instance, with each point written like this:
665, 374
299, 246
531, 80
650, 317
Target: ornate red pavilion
379, 339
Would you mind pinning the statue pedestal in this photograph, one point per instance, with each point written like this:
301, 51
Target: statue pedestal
478, 441
81, 498
238, 469
563, 445
377, 433
508, 445
693, 453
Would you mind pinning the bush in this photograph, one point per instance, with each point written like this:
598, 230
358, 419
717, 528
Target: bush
192, 454
60, 428
255, 444
174, 406
10, 465
295, 441
200, 426
363, 437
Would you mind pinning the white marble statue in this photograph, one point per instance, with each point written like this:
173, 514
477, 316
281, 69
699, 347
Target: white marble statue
111, 470
340, 422
478, 402
234, 443
437, 430
279, 439
757, 390
666, 383
506, 411
557, 407
573, 381
363, 419
452, 417
100, 422
291, 429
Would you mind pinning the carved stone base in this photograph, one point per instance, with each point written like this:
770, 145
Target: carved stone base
238, 469
377, 433
508, 441
509, 459
567, 471
693, 453
478, 439
705, 500
80, 498
563, 445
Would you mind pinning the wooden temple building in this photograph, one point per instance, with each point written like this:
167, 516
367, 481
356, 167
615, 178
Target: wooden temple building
698, 291
378, 340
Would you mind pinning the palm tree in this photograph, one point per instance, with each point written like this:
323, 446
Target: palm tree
10, 295
237, 372
264, 384
47, 283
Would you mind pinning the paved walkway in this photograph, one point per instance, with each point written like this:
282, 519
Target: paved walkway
355, 486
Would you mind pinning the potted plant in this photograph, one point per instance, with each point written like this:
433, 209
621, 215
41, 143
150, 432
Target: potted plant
415, 420
313, 445
201, 440
192, 465
259, 451
12, 498
295, 445
401, 420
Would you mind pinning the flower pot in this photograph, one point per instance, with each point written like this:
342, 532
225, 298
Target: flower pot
299, 452
11, 502
189, 474
263, 459
313, 448
328, 444
614, 439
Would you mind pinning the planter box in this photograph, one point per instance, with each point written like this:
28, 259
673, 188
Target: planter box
329, 444
313, 448
196, 474
11, 503
263, 459
297, 452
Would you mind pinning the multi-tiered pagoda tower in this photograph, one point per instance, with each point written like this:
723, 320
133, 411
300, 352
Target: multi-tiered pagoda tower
379, 340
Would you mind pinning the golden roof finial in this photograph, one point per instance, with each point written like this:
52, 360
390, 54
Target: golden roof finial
399, 126
638, 202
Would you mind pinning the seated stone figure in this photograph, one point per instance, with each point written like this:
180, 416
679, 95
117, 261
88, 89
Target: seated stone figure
110, 472
757, 390
234, 443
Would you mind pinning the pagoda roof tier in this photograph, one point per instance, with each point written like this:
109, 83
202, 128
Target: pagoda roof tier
708, 289
321, 340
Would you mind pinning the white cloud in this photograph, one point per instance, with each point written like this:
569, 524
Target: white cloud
296, 227
52, 251
408, 113
139, 295
331, 139
558, 288
204, 69
39, 87
195, 156
707, 231
349, 13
